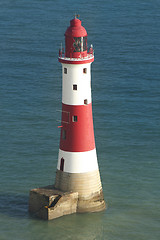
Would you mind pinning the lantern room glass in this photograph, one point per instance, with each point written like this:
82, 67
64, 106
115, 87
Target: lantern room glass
80, 44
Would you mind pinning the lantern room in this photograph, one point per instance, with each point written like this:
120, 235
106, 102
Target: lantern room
75, 40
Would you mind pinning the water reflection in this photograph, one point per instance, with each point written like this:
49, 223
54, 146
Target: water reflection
88, 226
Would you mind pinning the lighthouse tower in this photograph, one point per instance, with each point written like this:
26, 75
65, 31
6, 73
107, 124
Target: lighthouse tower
77, 168
77, 185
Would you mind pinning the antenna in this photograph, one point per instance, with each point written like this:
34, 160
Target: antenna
77, 15
61, 47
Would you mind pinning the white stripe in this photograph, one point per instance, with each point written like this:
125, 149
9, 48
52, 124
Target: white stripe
75, 76
78, 162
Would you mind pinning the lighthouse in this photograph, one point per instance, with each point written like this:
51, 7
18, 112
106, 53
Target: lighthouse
77, 168
77, 186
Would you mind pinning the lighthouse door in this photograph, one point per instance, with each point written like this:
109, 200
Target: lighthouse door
62, 164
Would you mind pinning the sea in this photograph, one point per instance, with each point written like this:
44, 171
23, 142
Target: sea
126, 110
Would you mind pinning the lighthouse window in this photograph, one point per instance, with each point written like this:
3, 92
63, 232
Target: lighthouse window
85, 101
65, 70
63, 134
84, 70
74, 119
74, 86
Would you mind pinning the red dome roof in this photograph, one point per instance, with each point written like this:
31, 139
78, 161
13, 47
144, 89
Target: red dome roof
76, 29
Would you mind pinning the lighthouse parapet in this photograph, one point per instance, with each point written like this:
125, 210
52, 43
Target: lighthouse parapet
88, 59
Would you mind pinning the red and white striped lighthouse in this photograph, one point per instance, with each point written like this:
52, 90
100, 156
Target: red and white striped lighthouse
77, 168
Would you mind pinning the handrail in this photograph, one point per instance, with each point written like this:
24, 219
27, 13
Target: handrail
89, 54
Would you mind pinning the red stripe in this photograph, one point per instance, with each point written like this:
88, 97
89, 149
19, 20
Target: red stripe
79, 134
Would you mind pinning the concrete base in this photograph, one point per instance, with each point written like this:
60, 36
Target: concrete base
91, 203
49, 203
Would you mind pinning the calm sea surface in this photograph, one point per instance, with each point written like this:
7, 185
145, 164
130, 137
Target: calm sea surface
126, 107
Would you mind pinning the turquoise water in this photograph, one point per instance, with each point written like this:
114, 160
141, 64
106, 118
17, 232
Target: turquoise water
126, 107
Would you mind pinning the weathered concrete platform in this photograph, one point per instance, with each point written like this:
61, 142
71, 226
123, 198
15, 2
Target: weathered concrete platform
48, 203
